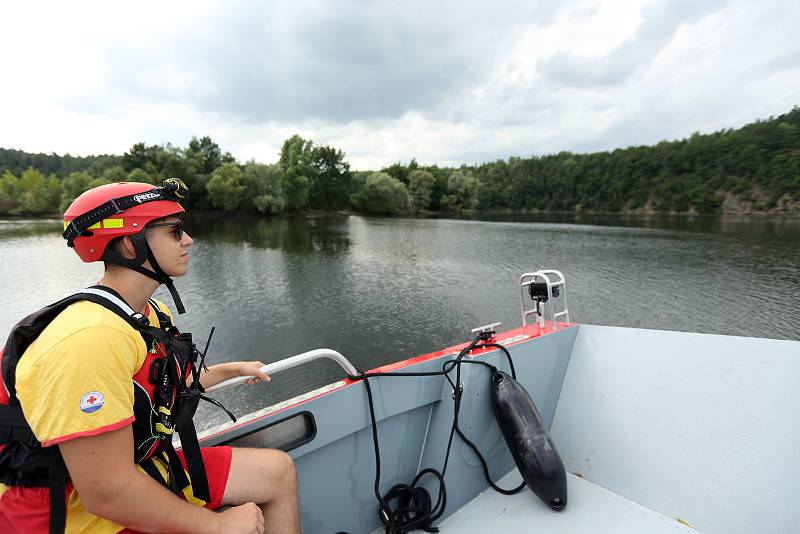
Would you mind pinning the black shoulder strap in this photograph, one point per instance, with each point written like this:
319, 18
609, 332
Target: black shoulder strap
57, 490
163, 318
29, 328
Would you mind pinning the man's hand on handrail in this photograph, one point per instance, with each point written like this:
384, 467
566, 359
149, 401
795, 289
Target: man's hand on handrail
224, 371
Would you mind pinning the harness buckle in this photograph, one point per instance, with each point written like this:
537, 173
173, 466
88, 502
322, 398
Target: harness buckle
141, 319
164, 425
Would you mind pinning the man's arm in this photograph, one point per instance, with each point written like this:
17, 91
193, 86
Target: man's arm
223, 371
104, 475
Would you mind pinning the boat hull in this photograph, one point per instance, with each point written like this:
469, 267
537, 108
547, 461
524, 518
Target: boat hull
695, 428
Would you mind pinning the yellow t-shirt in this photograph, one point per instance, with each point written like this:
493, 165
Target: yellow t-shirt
74, 380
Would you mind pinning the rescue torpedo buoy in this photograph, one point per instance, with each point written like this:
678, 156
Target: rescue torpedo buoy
523, 429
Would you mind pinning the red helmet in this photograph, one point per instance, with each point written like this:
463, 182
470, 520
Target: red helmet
147, 203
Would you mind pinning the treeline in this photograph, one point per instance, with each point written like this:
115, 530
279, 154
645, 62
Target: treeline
17, 161
757, 165
306, 177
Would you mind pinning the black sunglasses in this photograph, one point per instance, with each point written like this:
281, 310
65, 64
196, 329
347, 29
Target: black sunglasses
177, 225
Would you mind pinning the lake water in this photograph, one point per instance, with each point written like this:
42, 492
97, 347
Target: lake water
384, 289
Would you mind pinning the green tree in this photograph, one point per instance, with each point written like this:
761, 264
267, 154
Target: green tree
16, 161
225, 187
205, 152
172, 161
115, 174
9, 193
264, 184
138, 156
37, 194
195, 165
462, 189
72, 186
400, 171
296, 162
381, 194
495, 190
420, 186
139, 175
703, 199
331, 185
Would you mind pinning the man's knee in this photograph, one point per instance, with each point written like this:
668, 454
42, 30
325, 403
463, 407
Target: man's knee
287, 469
260, 475
276, 466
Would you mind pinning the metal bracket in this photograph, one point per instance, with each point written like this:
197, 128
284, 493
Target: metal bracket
485, 328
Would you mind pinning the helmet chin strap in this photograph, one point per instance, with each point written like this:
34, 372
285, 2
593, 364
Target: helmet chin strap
144, 252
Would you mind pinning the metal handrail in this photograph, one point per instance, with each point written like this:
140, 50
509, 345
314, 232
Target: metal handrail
288, 363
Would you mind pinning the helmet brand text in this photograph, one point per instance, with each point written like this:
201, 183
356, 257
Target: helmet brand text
144, 197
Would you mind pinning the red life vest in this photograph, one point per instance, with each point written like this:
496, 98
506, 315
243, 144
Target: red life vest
160, 387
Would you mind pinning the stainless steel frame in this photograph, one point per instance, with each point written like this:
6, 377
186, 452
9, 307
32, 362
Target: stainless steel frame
551, 278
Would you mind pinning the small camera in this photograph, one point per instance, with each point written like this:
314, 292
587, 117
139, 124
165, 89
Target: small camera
538, 291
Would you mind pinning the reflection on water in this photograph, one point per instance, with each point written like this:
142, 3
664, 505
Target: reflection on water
292, 235
384, 289
21, 228
734, 224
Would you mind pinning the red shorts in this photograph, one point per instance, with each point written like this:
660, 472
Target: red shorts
218, 465
28, 509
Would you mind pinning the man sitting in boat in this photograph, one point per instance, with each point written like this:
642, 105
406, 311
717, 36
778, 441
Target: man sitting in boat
96, 384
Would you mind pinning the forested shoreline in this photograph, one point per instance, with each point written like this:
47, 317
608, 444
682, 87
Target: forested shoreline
753, 169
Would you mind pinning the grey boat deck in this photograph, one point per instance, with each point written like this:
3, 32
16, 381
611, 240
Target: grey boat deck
663, 432
591, 509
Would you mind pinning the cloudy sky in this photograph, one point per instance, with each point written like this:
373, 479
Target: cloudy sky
444, 82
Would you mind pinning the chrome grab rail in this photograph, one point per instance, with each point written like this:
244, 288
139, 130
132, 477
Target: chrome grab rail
288, 363
557, 280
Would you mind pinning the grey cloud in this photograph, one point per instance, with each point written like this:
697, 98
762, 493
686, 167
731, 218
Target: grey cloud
335, 62
661, 21
329, 70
